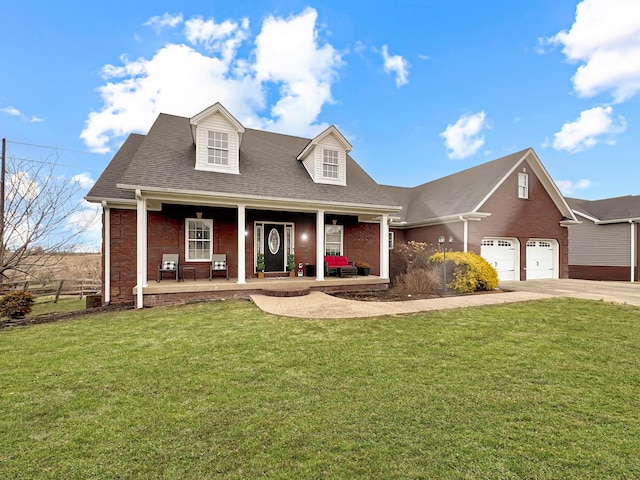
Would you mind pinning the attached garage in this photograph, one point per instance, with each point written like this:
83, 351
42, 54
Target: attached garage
502, 254
542, 259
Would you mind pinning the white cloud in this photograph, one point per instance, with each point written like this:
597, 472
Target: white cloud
584, 132
84, 180
568, 187
184, 79
288, 54
16, 113
605, 39
11, 111
223, 38
167, 20
463, 138
21, 185
395, 64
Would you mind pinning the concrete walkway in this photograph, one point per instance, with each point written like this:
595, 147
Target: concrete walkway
320, 305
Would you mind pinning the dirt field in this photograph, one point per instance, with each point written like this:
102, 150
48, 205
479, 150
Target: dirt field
63, 266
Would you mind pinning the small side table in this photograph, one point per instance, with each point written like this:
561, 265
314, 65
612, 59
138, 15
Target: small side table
187, 268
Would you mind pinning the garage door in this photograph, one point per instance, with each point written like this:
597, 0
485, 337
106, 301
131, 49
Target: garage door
501, 254
541, 259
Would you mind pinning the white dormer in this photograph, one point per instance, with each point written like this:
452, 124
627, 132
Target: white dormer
325, 157
217, 136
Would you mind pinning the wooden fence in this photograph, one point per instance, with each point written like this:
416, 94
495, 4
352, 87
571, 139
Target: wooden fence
40, 288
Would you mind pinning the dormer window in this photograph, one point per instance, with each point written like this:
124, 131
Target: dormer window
217, 148
330, 163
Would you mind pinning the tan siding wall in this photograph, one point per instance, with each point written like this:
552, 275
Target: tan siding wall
600, 245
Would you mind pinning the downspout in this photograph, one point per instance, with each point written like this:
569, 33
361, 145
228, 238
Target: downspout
633, 250
107, 252
465, 233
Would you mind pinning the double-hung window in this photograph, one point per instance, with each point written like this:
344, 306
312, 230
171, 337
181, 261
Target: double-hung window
333, 239
217, 148
330, 163
523, 185
198, 239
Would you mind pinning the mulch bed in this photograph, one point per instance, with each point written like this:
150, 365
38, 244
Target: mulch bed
56, 317
391, 296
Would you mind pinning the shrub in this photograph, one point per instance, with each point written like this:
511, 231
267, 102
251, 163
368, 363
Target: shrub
406, 257
470, 273
420, 281
16, 304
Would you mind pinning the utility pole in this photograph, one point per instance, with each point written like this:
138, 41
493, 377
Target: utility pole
3, 174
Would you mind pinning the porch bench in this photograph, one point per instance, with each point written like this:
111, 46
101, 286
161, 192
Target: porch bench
339, 266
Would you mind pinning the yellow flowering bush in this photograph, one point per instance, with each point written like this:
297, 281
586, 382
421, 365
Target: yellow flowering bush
467, 271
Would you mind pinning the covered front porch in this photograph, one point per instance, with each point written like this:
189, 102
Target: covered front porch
172, 292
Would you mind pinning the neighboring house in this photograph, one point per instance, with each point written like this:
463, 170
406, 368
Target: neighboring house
508, 210
604, 246
207, 185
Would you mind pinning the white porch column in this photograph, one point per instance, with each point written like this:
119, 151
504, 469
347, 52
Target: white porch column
384, 246
242, 225
141, 249
107, 251
320, 245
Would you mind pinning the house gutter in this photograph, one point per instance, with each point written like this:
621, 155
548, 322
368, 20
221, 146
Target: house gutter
634, 231
256, 201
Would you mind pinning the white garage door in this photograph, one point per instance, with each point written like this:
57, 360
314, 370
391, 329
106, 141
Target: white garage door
501, 254
541, 259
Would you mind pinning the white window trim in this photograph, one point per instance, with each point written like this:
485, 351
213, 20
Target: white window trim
392, 240
523, 185
214, 148
341, 238
333, 165
208, 222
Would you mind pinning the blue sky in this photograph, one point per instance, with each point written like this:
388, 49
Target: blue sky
421, 89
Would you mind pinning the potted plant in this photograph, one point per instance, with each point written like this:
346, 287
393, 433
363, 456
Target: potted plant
291, 265
260, 265
363, 268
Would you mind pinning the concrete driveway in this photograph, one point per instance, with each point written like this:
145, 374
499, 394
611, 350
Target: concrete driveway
618, 292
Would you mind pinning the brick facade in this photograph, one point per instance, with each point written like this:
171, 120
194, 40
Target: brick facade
512, 217
166, 234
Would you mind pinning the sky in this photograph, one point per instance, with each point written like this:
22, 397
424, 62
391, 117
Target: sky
421, 89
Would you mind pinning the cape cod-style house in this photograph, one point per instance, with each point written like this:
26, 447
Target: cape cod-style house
205, 193
205, 186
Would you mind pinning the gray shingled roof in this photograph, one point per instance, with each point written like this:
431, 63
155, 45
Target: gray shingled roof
608, 209
452, 195
105, 187
268, 168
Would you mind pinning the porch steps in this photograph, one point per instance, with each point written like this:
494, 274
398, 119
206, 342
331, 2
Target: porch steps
286, 291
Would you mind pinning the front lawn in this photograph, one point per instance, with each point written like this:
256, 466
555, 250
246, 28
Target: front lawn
547, 389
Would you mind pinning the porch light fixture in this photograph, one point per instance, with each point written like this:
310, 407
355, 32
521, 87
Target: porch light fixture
334, 221
198, 215
443, 245
304, 236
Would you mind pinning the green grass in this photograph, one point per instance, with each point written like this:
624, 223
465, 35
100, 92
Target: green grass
44, 305
547, 389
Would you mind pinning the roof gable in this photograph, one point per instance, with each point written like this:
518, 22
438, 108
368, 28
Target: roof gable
465, 192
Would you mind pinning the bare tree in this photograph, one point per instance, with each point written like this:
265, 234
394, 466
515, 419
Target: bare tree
43, 216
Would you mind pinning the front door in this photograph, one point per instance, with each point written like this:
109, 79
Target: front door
273, 248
